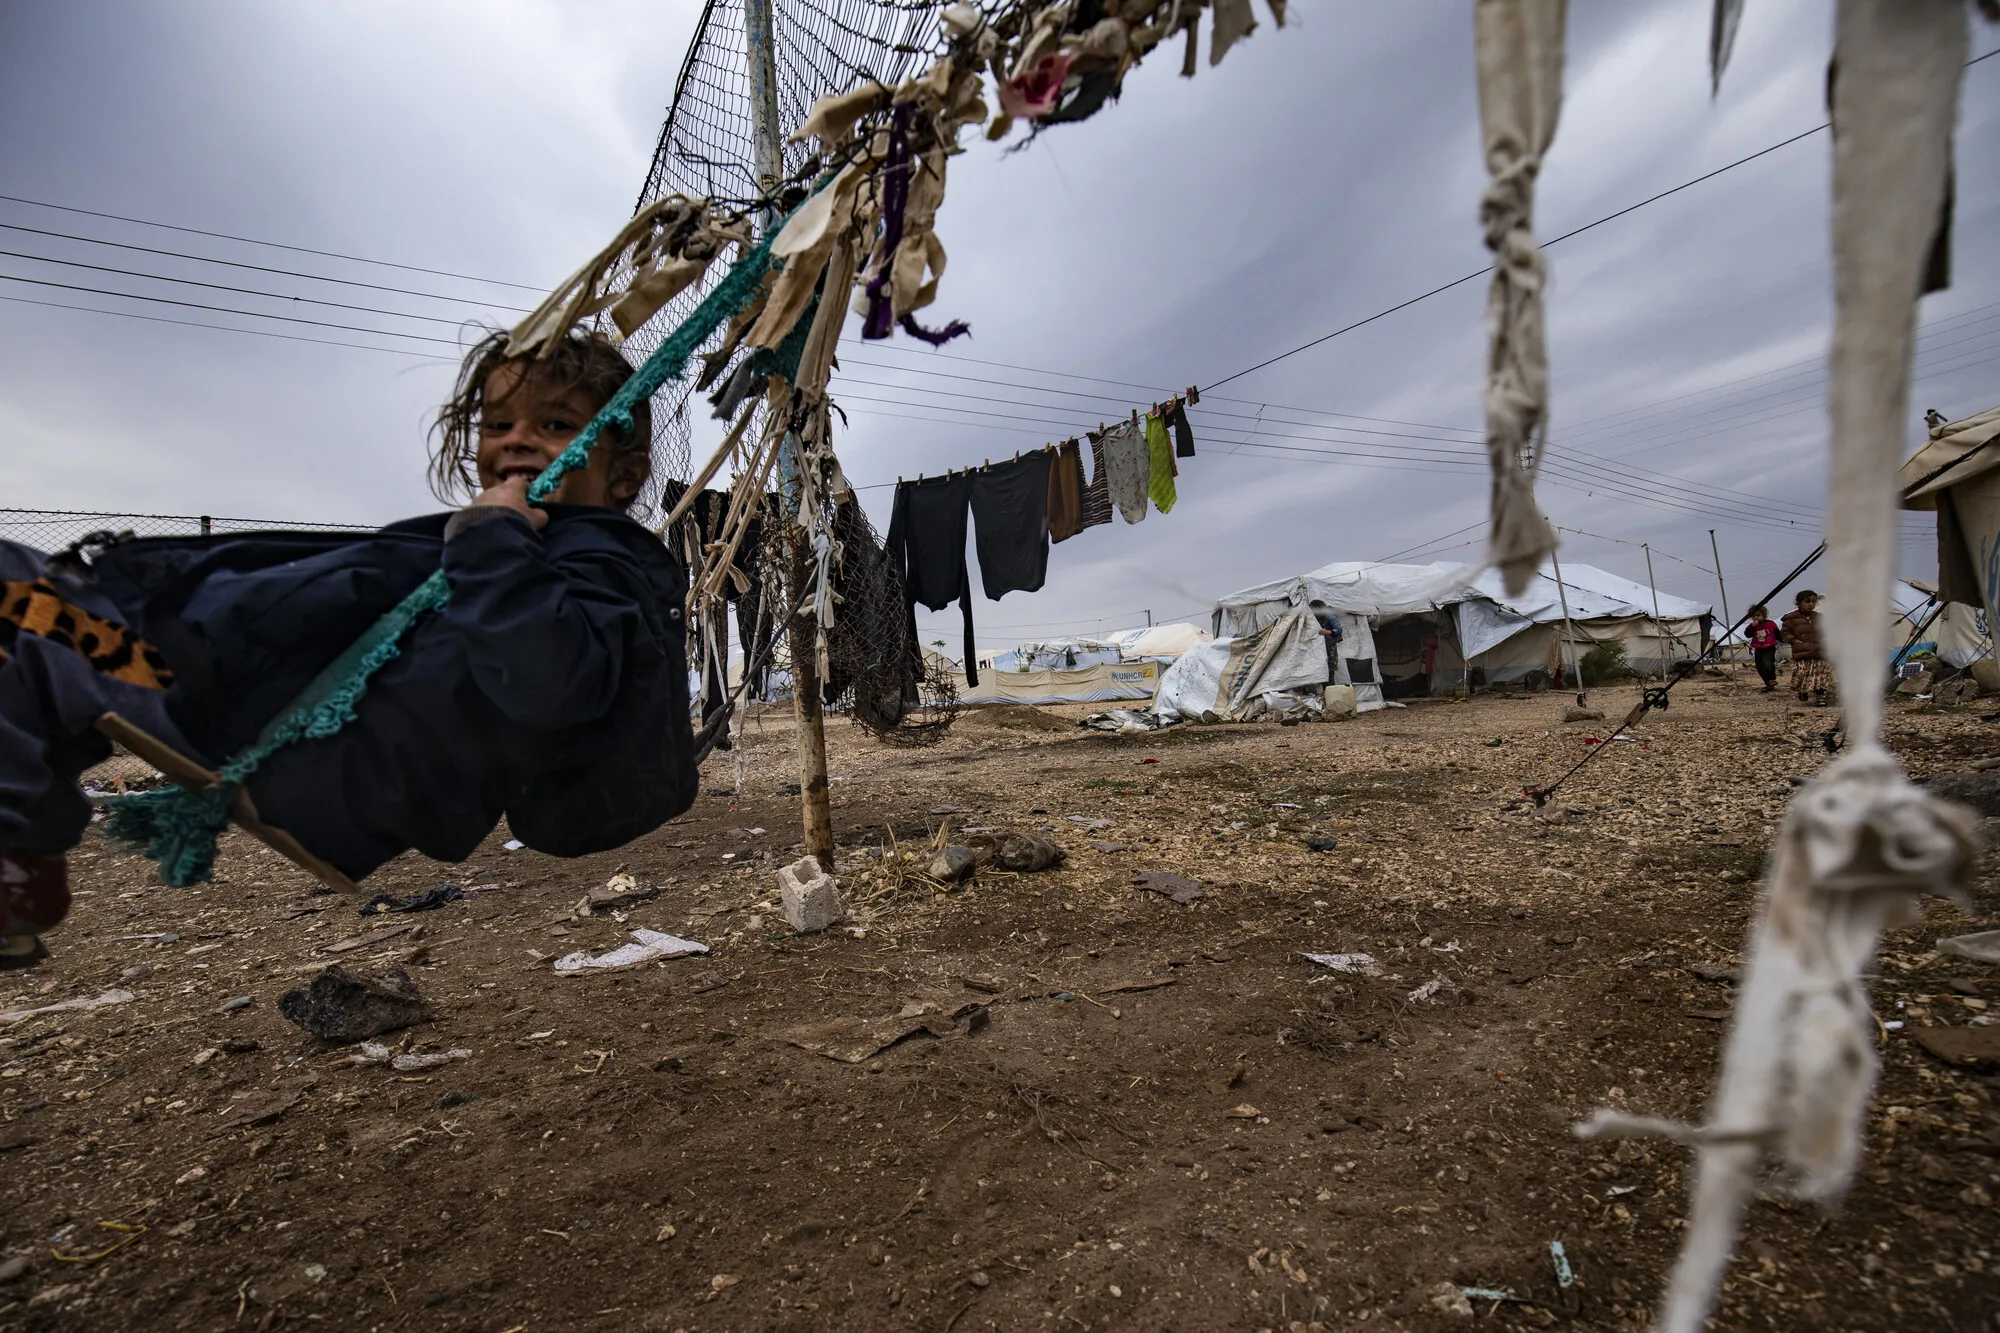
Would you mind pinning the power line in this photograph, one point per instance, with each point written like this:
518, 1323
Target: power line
227, 310
257, 268
224, 287
274, 245
1629, 208
225, 328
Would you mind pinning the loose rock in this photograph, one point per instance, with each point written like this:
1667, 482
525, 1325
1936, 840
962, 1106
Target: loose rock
344, 1007
954, 863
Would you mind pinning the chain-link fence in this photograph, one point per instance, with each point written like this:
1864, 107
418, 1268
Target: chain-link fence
56, 529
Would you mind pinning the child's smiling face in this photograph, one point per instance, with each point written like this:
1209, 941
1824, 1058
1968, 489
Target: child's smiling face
524, 425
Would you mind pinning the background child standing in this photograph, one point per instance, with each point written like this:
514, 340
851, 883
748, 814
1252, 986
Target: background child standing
1763, 632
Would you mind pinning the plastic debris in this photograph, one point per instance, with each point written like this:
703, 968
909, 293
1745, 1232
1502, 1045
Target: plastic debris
1564, 1277
1428, 989
651, 945
428, 901
411, 1062
1177, 887
1983, 947
512, 845
109, 997
1360, 964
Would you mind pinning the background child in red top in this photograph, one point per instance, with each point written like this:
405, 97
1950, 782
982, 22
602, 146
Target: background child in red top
1763, 633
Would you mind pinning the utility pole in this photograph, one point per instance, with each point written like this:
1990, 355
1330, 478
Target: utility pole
1659, 629
1724, 591
808, 709
1569, 644
1149, 617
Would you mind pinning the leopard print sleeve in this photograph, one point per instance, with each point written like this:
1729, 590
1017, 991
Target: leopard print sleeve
38, 607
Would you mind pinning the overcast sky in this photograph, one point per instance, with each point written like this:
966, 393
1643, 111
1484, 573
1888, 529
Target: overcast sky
1321, 174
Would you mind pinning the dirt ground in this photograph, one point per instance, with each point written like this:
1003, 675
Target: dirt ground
1111, 1110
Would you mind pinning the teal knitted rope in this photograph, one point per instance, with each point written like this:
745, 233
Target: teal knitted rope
736, 290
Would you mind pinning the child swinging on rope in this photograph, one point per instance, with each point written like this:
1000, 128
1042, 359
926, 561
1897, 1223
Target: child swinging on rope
551, 686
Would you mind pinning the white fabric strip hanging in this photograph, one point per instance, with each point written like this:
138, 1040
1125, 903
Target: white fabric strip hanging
1861, 843
1520, 56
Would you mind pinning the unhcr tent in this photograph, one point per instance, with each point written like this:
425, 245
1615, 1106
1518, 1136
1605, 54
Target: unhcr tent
1052, 655
1417, 629
1104, 682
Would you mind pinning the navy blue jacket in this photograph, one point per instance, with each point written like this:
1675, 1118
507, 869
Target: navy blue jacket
553, 688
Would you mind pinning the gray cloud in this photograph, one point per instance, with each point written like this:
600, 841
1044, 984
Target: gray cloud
1322, 173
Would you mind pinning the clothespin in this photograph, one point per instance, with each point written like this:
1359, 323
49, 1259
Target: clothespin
1193, 395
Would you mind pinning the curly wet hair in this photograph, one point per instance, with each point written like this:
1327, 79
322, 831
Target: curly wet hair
582, 360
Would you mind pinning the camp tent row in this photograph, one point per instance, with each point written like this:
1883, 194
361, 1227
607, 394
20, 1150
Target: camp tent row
1421, 629
1118, 667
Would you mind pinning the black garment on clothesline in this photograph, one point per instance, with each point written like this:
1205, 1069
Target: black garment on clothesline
1010, 511
1183, 433
926, 544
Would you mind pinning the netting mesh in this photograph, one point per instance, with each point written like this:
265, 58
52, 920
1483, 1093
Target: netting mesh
52, 530
707, 148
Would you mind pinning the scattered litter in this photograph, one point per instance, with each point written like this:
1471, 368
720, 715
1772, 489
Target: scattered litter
410, 1062
345, 1007
108, 998
1564, 1277
1244, 1111
1971, 1046
1177, 887
651, 945
1983, 947
263, 1109
616, 894
1359, 963
1452, 946
1428, 989
231, 1006
1488, 1294
512, 845
1447, 1298
808, 896
1893, 1025
852, 1040
157, 937
1085, 821
1124, 720
429, 900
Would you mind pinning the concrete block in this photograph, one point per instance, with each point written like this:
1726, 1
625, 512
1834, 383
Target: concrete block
808, 896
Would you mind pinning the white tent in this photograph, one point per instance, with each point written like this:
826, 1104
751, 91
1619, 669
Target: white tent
1161, 643
1419, 627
